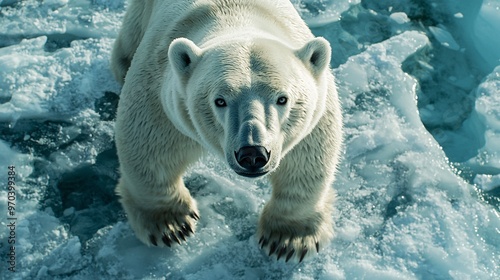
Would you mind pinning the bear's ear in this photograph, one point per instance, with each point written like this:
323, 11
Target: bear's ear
316, 55
182, 55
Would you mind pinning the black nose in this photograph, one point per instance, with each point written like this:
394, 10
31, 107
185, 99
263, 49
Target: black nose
252, 157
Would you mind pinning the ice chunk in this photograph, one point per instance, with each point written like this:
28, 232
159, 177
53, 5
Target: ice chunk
487, 182
399, 18
319, 13
65, 258
69, 211
444, 37
478, 24
486, 30
486, 118
22, 163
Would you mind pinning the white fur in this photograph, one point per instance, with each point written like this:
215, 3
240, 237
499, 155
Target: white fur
183, 56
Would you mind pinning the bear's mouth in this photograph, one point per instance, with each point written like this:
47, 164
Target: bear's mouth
252, 174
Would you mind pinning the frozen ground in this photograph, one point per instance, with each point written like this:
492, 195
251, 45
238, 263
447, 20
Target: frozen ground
418, 192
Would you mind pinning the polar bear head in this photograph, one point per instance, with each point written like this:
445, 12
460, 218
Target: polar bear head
250, 100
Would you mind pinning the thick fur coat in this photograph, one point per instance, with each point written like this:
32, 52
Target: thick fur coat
245, 80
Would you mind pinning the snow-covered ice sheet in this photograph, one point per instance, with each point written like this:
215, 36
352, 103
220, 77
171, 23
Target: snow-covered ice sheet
418, 189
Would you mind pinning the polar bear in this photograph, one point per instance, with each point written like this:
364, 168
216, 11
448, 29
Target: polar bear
245, 80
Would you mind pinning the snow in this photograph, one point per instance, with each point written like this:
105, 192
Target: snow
418, 189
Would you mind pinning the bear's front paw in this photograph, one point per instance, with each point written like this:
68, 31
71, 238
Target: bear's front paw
288, 238
162, 226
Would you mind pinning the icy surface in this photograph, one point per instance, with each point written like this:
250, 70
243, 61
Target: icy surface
418, 189
321, 12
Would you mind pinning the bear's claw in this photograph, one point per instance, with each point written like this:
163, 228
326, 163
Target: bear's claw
273, 248
285, 249
194, 216
175, 229
166, 240
152, 238
304, 252
170, 235
187, 230
263, 242
175, 238
281, 252
290, 255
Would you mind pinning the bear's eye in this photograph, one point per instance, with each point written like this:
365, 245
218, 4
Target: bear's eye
282, 100
219, 102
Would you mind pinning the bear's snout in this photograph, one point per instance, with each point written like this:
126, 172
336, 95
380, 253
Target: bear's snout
252, 159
